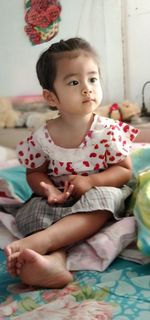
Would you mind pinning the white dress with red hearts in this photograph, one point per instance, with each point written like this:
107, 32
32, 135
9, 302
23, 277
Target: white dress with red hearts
107, 142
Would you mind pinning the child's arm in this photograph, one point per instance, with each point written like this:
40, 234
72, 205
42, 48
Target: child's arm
41, 184
115, 176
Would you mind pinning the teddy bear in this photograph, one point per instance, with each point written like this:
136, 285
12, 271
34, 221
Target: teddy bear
125, 111
36, 119
8, 116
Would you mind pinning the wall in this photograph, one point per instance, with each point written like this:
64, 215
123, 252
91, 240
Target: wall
86, 18
118, 29
137, 48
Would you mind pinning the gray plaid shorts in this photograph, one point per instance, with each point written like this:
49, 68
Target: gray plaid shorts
36, 214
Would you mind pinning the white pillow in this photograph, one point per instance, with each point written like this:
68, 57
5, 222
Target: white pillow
7, 153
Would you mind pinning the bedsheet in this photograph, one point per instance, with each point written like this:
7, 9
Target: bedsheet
122, 292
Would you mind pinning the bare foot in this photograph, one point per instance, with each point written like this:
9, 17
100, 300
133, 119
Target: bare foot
47, 271
38, 242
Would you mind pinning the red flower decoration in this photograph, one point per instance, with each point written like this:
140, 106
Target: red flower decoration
42, 17
39, 4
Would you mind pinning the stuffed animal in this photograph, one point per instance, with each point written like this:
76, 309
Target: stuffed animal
124, 111
35, 119
8, 116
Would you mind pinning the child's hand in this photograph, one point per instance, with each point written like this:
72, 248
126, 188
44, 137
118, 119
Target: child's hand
81, 184
56, 196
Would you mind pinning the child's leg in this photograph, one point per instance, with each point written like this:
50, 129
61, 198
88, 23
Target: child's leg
50, 270
66, 231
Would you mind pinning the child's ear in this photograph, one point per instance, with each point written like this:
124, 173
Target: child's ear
51, 98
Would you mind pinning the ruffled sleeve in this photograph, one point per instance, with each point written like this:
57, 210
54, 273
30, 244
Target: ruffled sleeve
120, 136
30, 153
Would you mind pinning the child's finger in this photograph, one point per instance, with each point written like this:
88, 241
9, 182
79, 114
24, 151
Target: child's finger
44, 185
68, 188
66, 185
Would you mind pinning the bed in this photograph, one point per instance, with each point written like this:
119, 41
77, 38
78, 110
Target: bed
111, 277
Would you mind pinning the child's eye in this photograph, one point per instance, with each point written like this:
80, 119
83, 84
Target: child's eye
73, 83
93, 79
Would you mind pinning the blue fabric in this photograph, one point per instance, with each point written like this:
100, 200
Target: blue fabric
16, 180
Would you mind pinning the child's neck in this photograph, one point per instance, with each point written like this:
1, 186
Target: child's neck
72, 132
74, 122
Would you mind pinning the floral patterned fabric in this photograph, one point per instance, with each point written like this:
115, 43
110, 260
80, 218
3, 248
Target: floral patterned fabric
120, 293
42, 20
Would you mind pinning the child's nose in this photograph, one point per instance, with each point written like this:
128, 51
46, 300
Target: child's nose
86, 91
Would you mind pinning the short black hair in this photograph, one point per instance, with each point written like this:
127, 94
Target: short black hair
46, 66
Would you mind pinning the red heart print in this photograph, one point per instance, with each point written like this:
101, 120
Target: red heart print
26, 161
38, 155
56, 170
31, 156
96, 166
126, 128
32, 165
112, 158
103, 141
21, 153
135, 130
118, 154
101, 156
89, 134
109, 133
86, 163
93, 155
33, 143
131, 136
68, 167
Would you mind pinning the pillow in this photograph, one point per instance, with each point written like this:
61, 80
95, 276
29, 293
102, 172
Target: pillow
13, 183
142, 211
139, 203
29, 103
7, 153
140, 157
98, 251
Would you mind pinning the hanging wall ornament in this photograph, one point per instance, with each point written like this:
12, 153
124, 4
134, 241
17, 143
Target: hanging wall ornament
42, 18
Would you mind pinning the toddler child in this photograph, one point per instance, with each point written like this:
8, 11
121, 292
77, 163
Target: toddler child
78, 166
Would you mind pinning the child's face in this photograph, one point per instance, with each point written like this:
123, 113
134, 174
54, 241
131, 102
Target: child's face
77, 85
